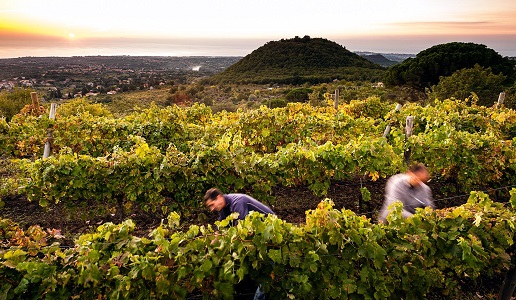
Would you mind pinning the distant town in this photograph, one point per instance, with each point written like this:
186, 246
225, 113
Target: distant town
78, 76
70, 77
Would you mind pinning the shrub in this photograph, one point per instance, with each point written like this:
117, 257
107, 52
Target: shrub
12, 102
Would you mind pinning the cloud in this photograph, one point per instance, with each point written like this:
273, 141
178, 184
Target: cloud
441, 24
452, 27
505, 44
33, 45
16, 44
20, 37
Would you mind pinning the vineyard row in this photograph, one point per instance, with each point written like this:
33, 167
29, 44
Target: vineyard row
335, 255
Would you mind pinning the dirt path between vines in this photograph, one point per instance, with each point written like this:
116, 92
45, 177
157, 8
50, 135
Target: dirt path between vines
290, 204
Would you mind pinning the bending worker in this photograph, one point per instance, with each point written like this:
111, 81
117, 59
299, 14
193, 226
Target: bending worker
226, 204
410, 188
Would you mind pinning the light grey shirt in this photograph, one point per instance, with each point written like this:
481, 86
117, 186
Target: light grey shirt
398, 188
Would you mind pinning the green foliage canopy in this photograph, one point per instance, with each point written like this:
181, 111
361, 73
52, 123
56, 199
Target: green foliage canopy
297, 95
12, 102
429, 65
336, 254
462, 83
81, 105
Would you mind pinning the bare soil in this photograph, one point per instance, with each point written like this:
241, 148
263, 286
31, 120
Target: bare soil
290, 204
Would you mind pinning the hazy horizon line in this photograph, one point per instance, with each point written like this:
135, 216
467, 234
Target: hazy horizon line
18, 47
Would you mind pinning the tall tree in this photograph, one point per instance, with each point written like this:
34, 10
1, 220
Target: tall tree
461, 84
12, 102
429, 65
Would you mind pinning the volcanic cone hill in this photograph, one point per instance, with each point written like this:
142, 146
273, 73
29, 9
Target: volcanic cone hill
300, 60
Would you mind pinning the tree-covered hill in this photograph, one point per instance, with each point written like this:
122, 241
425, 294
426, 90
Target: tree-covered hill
300, 60
429, 65
379, 59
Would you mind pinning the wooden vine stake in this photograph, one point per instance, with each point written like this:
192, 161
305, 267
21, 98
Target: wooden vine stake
408, 133
337, 100
35, 110
35, 101
501, 98
388, 127
52, 116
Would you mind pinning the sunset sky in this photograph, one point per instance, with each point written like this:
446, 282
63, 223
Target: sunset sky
237, 27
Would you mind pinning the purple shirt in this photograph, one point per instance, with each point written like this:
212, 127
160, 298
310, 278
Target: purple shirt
242, 204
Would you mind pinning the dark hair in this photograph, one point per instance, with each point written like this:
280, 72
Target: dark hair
418, 167
211, 194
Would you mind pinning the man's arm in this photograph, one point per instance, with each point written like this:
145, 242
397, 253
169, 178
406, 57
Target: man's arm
241, 208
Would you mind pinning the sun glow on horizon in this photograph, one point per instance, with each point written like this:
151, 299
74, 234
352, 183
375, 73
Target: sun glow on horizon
159, 20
